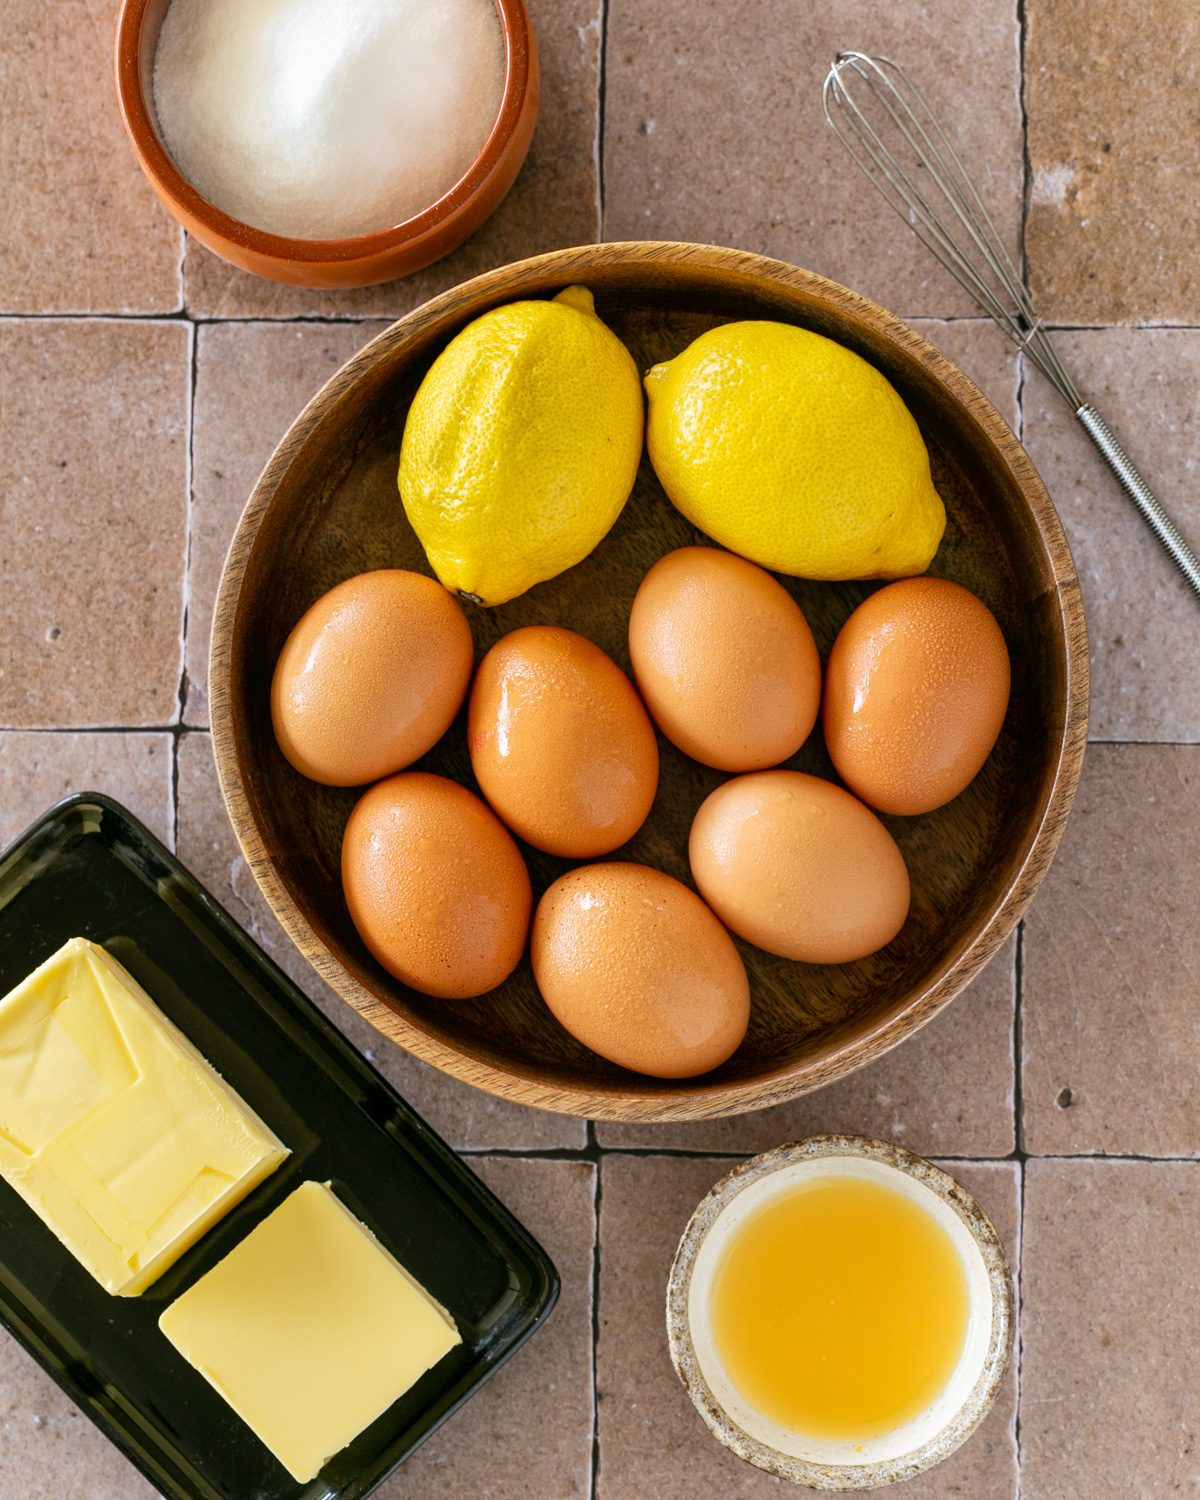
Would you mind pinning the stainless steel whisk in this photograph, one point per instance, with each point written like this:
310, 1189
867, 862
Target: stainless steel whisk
884, 121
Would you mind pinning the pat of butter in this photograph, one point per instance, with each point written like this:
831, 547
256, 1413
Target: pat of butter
113, 1127
309, 1329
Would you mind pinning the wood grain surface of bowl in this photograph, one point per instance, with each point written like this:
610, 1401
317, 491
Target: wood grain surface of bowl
326, 507
360, 260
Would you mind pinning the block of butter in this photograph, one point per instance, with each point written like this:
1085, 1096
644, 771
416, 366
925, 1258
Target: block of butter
113, 1127
309, 1328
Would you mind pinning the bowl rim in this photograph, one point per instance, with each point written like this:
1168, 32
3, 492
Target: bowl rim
814, 1474
138, 116
874, 1035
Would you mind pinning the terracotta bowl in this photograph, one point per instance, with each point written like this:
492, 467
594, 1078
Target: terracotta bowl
363, 259
326, 507
825, 1463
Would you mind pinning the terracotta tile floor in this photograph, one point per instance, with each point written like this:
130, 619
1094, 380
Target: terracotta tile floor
143, 383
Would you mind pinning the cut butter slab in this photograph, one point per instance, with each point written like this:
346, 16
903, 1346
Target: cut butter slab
113, 1127
310, 1329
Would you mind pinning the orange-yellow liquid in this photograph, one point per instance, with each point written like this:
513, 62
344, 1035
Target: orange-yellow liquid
839, 1310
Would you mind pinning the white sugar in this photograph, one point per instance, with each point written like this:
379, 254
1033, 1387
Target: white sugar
320, 119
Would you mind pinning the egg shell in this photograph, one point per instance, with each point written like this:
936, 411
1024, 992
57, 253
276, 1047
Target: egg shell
371, 677
560, 743
799, 867
916, 689
637, 968
435, 885
724, 659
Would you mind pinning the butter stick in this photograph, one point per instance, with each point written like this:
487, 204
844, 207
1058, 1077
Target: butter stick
113, 1128
309, 1329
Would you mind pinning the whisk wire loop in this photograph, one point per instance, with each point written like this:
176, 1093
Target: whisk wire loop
969, 246
901, 147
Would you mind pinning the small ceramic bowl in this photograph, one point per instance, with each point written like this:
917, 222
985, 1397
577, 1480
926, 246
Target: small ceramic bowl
362, 260
823, 1464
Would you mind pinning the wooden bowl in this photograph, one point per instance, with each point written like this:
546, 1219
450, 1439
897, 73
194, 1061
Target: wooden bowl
362, 260
326, 507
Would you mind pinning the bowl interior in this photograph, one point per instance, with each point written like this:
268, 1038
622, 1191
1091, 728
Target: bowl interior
327, 507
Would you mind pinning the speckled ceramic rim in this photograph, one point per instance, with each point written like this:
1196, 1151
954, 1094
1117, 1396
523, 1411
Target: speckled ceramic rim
873, 1474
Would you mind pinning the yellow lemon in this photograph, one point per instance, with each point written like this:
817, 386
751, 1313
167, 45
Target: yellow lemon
792, 451
521, 445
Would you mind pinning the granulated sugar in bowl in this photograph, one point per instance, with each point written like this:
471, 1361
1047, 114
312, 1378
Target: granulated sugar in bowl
320, 120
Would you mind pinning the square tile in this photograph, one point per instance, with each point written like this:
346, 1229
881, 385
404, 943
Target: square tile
652, 1440
715, 132
48, 1449
528, 1433
554, 202
1114, 215
468, 1119
36, 769
93, 502
1111, 1288
280, 366
83, 230
947, 1089
1141, 615
1112, 949
983, 353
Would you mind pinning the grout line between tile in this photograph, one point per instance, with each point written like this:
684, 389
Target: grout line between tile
532, 1153
1147, 744
1019, 1137
593, 1147
1019, 1319
1022, 20
68, 316
183, 274
1113, 1158
194, 342
594, 1154
184, 316
182, 269
176, 727
175, 793
341, 320
1018, 1044
1147, 327
1019, 1156
89, 728
602, 82
597, 1153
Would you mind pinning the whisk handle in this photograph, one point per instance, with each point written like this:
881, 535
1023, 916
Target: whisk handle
1140, 493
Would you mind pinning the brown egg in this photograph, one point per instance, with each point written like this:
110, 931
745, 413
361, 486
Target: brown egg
799, 867
637, 968
560, 743
371, 677
436, 886
916, 689
724, 659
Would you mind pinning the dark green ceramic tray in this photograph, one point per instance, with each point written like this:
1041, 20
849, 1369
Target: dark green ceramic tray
87, 868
